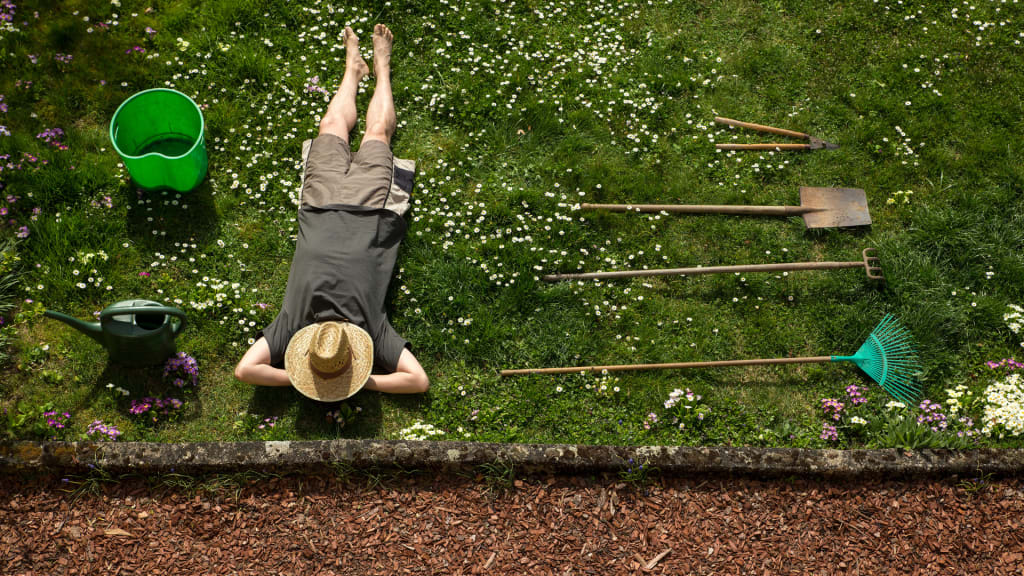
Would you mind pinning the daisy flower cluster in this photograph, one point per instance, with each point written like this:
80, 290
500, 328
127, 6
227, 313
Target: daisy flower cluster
687, 408
960, 399
230, 303
1004, 407
1015, 319
89, 276
419, 431
983, 24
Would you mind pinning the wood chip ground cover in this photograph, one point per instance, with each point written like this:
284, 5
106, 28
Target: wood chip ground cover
424, 524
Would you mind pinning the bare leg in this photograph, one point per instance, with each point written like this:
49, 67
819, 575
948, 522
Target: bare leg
341, 114
380, 115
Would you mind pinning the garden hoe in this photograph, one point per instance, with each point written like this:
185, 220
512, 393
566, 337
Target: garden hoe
870, 263
813, 143
820, 208
888, 357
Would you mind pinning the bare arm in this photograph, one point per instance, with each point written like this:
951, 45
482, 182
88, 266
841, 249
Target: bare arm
408, 377
255, 368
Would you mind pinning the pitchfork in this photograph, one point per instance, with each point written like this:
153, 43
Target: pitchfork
814, 143
870, 263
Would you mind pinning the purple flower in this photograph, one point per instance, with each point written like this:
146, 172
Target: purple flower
22, 232
833, 408
856, 394
829, 432
105, 432
932, 416
1008, 363
150, 31
153, 408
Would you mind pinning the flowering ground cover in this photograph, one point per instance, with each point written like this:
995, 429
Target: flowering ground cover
516, 113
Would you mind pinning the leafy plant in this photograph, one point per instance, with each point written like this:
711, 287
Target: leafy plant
91, 484
262, 427
497, 476
639, 475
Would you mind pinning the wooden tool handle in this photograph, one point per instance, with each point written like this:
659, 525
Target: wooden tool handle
702, 209
762, 128
670, 366
763, 146
705, 270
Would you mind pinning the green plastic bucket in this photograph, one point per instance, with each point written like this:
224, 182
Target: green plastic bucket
159, 135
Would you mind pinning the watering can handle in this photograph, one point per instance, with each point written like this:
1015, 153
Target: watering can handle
148, 310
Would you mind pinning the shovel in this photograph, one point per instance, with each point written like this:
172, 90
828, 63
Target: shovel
820, 207
870, 264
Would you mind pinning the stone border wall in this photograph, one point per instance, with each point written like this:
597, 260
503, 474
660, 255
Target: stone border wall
529, 458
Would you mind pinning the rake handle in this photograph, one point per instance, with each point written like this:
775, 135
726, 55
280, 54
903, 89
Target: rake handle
669, 366
763, 146
762, 128
706, 270
702, 209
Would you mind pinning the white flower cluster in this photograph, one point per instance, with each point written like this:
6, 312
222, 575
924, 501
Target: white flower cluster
420, 431
677, 395
1004, 407
899, 197
958, 398
92, 276
1015, 319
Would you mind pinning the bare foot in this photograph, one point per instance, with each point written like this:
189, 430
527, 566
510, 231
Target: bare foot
382, 41
353, 60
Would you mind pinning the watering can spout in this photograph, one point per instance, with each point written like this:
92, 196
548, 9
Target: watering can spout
90, 329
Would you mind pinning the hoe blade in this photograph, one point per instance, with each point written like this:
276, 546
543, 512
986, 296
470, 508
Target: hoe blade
834, 207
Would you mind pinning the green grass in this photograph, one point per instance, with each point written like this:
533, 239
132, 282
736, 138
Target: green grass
515, 114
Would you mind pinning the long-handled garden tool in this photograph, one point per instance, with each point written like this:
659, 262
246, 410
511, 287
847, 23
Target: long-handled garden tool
820, 208
813, 143
870, 263
887, 356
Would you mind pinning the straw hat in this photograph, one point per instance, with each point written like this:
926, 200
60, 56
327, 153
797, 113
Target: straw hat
329, 361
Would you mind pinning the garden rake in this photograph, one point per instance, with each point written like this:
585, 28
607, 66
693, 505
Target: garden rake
820, 208
870, 263
887, 356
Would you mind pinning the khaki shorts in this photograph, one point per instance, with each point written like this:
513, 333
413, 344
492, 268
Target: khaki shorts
334, 176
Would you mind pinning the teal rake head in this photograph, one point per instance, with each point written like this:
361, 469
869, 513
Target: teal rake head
889, 358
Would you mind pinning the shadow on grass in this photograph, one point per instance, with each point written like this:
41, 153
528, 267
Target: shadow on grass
146, 382
165, 217
362, 414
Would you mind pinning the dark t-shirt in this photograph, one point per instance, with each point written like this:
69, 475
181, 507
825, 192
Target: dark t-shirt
344, 257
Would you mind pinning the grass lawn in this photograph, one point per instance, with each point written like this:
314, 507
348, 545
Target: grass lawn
515, 114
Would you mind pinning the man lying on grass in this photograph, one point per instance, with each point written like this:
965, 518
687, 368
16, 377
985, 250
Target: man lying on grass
332, 328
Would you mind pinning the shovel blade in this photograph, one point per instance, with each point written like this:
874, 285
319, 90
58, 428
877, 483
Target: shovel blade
834, 207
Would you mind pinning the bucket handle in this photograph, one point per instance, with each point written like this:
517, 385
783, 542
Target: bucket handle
182, 321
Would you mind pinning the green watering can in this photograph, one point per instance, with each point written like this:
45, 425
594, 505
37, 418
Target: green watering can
134, 332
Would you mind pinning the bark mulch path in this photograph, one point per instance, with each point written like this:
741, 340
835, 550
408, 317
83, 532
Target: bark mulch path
428, 524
